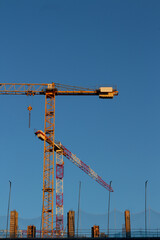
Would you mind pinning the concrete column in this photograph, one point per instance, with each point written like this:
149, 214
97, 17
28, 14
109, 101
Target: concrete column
127, 224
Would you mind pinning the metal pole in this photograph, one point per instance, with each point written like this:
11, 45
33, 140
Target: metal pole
146, 207
149, 218
8, 206
109, 208
115, 220
41, 222
78, 207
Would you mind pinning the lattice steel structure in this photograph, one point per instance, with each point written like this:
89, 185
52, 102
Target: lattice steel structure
59, 191
50, 91
48, 166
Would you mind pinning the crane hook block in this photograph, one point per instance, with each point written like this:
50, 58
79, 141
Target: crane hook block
29, 108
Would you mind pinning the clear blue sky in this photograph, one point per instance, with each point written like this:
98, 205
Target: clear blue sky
89, 44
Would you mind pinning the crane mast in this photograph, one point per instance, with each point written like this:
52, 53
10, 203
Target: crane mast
50, 91
48, 166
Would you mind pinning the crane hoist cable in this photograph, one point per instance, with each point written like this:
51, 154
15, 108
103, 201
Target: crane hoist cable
29, 109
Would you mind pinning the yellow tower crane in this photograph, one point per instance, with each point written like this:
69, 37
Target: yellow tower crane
50, 91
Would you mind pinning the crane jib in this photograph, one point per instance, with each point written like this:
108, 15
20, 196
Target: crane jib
85, 168
30, 89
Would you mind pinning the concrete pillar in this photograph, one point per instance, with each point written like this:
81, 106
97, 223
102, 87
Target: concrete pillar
127, 224
95, 231
31, 231
71, 224
13, 224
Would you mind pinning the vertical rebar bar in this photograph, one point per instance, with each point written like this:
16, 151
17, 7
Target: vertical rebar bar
78, 207
149, 218
146, 207
8, 207
41, 222
115, 220
109, 208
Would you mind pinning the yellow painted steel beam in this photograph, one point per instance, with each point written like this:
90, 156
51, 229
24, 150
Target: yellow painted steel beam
48, 167
31, 89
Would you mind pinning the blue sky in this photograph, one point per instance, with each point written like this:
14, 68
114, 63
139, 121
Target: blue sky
88, 44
